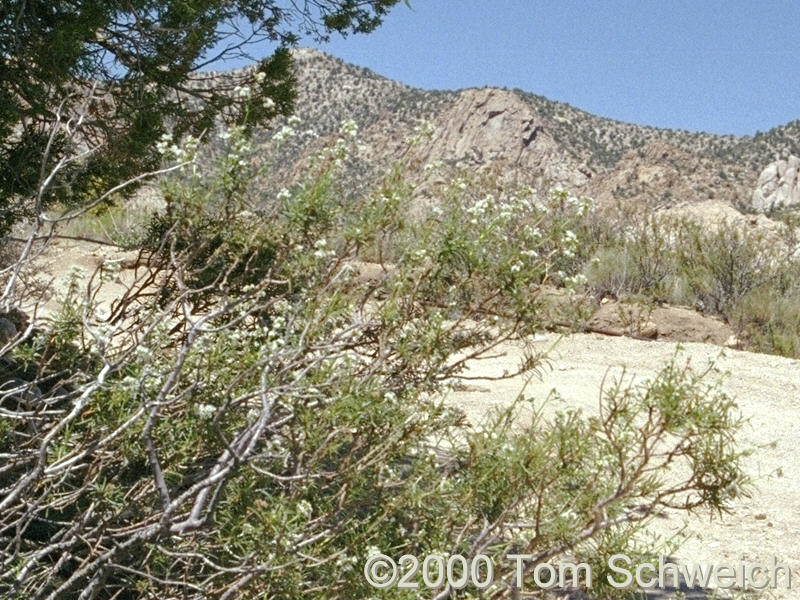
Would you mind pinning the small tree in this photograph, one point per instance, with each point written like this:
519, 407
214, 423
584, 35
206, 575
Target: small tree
88, 87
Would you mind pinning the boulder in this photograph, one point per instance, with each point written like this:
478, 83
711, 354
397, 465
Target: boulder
778, 186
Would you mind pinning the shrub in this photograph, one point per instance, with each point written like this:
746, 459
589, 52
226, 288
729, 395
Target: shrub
746, 276
248, 422
769, 321
723, 264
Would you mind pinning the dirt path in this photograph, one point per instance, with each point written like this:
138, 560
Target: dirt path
767, 389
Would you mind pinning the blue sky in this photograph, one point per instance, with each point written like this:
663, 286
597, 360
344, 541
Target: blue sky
703, 65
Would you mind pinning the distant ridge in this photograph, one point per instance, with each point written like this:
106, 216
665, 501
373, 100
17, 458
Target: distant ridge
534, 140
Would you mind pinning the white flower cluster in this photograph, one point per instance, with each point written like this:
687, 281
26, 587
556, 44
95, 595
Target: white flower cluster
304, 508
346, 563
185, 152
284, 133
575, 280
434, 166
239, 146
425, 130
276, 335
321, 250
69, 287
287, 131
419, 255
111, 270
349, 128
480, 207
570, 241
243, 92
76, 273
204, 411
166, 146
581, 205
341, 149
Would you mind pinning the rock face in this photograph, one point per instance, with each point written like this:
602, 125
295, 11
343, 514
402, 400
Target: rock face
778, 186
661, 174
490, 126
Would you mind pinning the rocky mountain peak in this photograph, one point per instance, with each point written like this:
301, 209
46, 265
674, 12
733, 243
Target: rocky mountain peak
533, 140
484, 127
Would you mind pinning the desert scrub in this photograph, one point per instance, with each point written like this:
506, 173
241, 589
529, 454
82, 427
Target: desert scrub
635, 254
475, 240
748, 277
769, 321
121, 221
262, 422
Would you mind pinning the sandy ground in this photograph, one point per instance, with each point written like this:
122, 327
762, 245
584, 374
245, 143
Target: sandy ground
767, 389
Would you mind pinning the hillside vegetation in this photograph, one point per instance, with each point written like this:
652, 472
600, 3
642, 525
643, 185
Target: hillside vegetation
252, 401
540, 141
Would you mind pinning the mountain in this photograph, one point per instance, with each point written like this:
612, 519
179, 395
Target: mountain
536, 141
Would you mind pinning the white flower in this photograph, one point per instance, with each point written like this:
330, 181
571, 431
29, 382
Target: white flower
205, 411
425, 130
349, 128
322, 252
294, 120
143, 352
285, 132
164, 142
268, 103
420, 254
533, 232
433, 166
575, 280
260, 77
305, 508
242, 91
283, 194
